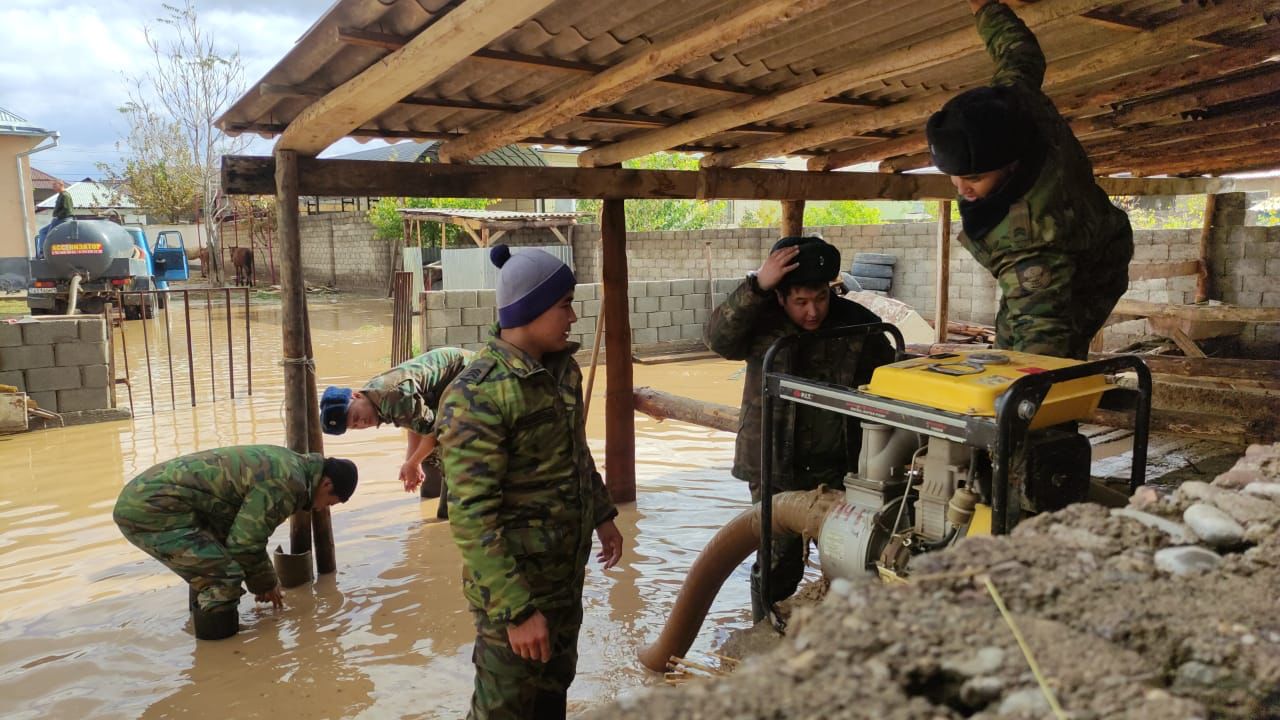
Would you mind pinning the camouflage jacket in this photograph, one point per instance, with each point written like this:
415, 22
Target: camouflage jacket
1063, 250
524, 494
408, 394
240, 493
742, 328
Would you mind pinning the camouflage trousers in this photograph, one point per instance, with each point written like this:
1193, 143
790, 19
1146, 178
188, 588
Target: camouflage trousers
786, 568
509, 687
1090, 315
178, 541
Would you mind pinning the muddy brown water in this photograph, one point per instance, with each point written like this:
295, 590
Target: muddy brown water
90, 627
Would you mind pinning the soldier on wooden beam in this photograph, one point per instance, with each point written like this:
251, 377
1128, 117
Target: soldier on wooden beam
1032, 212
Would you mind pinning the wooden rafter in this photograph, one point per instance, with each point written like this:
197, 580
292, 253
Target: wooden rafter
916, 110
1187, 131
948, 47
465, 29
741, 20
1262, 141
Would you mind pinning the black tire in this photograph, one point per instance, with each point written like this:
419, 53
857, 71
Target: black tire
873, 271
875, 259
873, 283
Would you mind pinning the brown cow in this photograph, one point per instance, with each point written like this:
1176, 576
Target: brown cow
242, 260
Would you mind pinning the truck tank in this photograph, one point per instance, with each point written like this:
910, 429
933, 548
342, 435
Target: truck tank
86, 247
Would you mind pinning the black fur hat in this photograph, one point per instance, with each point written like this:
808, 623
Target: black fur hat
978, 131
819, 262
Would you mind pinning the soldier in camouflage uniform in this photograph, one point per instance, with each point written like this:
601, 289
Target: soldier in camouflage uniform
208, 516
524, 493
790, 294
405, 396
1032, 213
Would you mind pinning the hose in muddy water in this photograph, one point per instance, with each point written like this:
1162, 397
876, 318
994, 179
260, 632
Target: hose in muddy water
797, 513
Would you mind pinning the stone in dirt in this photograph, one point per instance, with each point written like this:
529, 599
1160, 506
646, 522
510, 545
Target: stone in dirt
1214, 527
1176, 531
1186, 559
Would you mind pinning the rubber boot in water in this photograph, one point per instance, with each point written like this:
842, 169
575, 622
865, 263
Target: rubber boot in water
432, 481
217, 624
442, 510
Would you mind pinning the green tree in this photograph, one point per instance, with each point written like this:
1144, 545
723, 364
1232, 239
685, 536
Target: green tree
388, 224
767, 215
818, 214
158, 173
653, 215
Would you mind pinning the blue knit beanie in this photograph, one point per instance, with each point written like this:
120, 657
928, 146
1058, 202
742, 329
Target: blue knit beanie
529, 282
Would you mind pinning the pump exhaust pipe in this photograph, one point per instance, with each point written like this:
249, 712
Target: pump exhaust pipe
796, 513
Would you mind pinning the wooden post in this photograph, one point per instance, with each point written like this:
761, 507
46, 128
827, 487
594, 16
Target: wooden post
942, 288
1204, 278
792, 218
620, 421
293, 328
321, 525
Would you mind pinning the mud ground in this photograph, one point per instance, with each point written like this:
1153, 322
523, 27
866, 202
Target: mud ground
1115, 633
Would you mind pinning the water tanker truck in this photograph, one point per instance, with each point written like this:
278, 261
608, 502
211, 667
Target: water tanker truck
80, 264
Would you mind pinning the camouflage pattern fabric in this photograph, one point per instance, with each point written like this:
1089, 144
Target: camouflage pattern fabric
508, 687
742, 328
408, 394
208, 515
524, 498
1061, 255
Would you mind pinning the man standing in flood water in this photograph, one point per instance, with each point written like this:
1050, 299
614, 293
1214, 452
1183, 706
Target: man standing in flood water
791, 294
208, 516
525, 496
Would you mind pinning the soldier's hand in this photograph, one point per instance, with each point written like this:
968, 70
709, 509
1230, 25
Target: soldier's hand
529, 639
273, 596
411, 475
778, 264
610, 544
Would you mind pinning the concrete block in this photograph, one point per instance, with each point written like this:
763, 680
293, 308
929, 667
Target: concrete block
461, 299
682, 287
585, 291
701, 315
658, 289
639, 320
644, 336
483, 316
444, 318
727, 285
16, 378
646, 304
487, 298
701, 286
671, 333
435, 301
717, 299
637, 289
92, 329
47, 400
1258, 283
682, 317
659, 319
695, 301
92, 376
26, 357
1269, 299
83, 399
1265, 250
671, 303
48, 332
590, 308
54, 378
585, 326
437, 337
691, 331
462, 334
10, 335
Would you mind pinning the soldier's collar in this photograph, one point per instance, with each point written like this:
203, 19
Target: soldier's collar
520, 362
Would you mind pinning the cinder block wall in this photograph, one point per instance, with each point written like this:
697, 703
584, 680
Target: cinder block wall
60, 362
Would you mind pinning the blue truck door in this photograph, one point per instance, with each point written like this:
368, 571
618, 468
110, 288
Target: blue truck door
169, 256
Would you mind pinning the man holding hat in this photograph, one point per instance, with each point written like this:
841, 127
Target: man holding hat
790, 294
1032, 213
208, 516
524, 494
405, 396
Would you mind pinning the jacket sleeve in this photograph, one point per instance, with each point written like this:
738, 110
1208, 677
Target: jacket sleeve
1036, 286
730, 331
262, 511
876, 351
1011, 44
472, 435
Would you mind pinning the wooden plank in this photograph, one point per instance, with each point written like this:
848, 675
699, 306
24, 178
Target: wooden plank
879, 68
871, 152
620, 419
1256, 141
1203, 276
433, 52
1230, 313
942, 285
1186, 424
1182, 132
1163, 271
1184, 343
741, 19
661, 405
792, 218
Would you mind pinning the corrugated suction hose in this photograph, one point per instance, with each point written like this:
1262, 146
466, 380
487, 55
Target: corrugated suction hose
795, 513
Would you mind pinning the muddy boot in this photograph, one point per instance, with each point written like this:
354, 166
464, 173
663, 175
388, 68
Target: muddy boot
434, 480
217, 624
442, 510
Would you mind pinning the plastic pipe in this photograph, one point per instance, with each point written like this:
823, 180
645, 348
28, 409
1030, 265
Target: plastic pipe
797, 513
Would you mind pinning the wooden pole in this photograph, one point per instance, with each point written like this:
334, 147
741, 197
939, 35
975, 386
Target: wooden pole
942, 288
293, 328
595, 361
711, 278
321, 525
1204, 278
620, 421
792, 218
661, 405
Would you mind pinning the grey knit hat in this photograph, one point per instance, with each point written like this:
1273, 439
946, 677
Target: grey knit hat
529, 282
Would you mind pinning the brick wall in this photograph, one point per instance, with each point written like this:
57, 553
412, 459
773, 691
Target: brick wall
60, 362
337, 249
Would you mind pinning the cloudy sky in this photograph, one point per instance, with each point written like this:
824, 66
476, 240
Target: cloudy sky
63, 64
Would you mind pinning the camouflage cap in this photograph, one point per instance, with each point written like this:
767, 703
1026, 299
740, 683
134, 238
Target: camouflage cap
333, 410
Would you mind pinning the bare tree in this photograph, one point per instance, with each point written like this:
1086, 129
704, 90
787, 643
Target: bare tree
192, 82
158, 173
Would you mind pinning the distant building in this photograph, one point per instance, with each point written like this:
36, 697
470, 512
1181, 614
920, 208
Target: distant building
42, 185
92, 198
18, 140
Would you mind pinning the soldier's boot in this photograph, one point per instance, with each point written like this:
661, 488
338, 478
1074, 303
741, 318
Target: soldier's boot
217, 624
432, 482
193, 598
442, 510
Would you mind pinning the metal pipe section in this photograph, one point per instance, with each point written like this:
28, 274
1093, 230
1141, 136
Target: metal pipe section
191, 359
27, 225
248, 344
798, 513
231, 359
73, 294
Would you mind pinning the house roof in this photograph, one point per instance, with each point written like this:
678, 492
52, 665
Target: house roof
87, 194
429, 151
13, 124
1143, 81
41, 180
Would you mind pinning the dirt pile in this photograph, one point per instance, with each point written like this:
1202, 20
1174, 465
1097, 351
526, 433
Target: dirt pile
1163, 609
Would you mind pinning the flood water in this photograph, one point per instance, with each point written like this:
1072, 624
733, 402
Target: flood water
90, 627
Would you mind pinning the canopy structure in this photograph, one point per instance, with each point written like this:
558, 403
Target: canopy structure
487, 226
